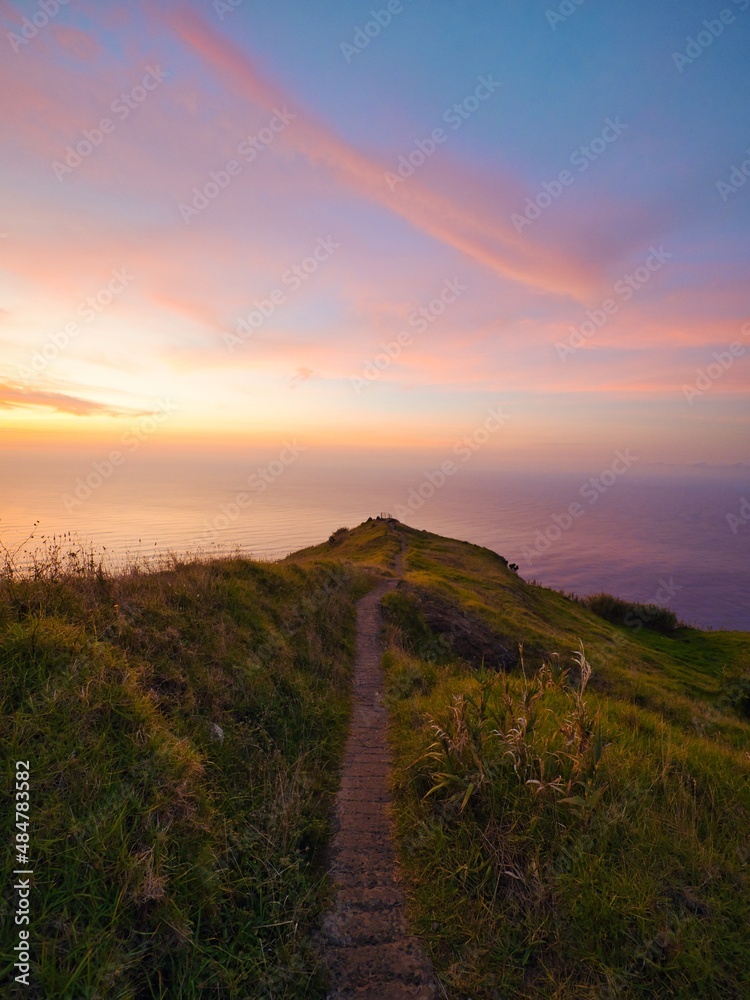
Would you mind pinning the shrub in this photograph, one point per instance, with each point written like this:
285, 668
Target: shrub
735, 691
631, 614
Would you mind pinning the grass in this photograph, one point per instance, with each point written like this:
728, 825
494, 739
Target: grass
184, 727
373, 544
575, 826
634, 615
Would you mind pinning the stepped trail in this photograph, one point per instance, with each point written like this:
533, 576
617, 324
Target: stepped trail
367, 946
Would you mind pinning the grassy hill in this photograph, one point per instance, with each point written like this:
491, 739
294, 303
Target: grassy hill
575, 826
571, 824
183, 728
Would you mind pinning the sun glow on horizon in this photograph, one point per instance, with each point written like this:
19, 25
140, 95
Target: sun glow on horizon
368, 272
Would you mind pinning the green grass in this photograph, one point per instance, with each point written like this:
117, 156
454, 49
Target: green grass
562, 835
567, 845
373, 544
634, 615
184, 728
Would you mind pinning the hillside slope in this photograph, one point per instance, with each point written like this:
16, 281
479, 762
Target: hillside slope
183, 728
562, 835
575, 825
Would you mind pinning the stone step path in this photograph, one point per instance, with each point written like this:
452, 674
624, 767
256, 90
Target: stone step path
368, 949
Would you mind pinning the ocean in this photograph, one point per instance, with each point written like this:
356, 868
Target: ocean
676, 536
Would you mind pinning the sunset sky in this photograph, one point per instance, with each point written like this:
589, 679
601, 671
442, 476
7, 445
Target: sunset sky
562, 195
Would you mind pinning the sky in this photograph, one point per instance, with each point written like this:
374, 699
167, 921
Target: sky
369, 225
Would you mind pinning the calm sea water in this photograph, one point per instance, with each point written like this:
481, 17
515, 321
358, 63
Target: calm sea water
654, 535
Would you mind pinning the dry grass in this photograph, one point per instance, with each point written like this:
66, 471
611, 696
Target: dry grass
575, 827
183, 722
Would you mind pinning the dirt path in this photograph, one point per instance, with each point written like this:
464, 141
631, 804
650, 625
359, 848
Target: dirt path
367, 946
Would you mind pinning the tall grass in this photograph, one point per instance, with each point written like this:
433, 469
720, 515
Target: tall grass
183, 727
575, 827
494, 737
557, 847
632, 614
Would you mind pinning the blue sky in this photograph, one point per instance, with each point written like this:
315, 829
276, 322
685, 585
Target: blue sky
556, 86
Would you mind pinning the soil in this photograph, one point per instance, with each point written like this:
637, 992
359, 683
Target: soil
368, 948
461, 634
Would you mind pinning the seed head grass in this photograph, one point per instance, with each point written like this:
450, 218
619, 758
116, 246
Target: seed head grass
575, 826
184, 724
571, 818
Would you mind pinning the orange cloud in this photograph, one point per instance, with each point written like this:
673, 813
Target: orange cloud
13, 396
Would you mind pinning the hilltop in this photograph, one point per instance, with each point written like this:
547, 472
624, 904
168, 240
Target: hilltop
571, 795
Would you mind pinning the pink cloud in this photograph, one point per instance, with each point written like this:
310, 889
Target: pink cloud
79, 44
492, 243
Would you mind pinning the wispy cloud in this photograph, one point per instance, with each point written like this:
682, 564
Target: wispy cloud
15, 395
454, 222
